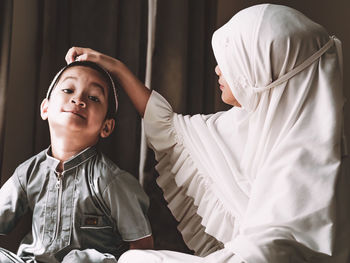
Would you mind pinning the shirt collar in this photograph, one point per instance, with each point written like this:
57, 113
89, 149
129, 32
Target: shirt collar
72, 162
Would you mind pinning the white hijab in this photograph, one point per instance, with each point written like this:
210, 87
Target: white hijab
285, 71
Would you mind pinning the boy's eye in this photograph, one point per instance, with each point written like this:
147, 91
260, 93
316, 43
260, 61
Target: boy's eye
93, 98
68, 91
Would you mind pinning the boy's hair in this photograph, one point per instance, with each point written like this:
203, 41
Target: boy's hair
112, 94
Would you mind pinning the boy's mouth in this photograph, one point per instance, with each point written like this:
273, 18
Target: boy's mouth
76, 113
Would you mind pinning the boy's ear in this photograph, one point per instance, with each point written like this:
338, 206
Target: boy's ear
107, 128
43, 109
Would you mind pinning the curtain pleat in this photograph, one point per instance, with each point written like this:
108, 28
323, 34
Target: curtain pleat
152, 14
6, 9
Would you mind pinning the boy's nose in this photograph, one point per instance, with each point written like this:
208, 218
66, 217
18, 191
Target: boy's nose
78, 102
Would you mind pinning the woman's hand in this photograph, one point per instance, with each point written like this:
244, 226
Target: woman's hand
81, 54
135, 89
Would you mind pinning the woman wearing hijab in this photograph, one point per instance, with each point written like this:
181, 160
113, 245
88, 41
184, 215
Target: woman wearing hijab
264, 181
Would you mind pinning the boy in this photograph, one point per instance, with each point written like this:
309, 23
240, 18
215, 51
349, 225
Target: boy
85, 209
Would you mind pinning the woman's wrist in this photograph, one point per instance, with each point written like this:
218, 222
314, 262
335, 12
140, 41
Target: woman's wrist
118, 68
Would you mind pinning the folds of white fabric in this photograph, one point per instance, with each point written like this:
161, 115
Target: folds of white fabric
193, 198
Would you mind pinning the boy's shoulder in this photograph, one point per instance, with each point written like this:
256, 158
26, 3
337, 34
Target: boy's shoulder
104, 163
30, 168
109, 172
31, 163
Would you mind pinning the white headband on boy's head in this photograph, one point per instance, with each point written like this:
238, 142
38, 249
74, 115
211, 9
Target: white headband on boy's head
96, 67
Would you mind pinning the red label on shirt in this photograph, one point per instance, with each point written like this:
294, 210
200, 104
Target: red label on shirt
91, 221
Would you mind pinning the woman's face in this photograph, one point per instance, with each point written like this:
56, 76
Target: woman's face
226, 95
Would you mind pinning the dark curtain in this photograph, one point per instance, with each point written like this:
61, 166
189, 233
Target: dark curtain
6, 7
183, 62
6, 11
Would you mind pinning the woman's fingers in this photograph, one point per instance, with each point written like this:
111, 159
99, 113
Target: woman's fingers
71, 54
75, 52
88, 54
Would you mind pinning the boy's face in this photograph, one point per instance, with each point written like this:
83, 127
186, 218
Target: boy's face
78, 104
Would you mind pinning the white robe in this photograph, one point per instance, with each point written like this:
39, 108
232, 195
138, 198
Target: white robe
267, 180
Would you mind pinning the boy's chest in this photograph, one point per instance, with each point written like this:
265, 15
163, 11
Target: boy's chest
64, 210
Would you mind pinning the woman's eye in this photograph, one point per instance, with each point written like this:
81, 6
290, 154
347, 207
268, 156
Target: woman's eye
68, 91
93, 98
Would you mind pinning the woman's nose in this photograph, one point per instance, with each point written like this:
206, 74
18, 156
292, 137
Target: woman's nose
78, 101
217, 70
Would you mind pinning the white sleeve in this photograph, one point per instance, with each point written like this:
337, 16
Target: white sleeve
188, 191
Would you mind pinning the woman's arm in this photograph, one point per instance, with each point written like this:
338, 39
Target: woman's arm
135, 89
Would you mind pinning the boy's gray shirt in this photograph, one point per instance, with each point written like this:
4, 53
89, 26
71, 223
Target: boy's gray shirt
94, 205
